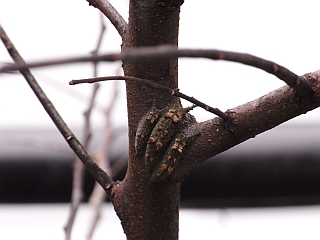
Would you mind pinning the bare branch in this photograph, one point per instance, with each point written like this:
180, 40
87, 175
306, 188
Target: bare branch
77, 196
78, 172
249, 120
102, 156
99, 175
173, 92
95, 51
170, 52
96, 200
111, 13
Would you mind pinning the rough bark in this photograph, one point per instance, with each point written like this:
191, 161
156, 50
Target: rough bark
151, 210
249, 120
148, 211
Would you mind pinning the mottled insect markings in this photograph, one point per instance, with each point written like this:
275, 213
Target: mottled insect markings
172, 157
145, 127
164, 131
159, 136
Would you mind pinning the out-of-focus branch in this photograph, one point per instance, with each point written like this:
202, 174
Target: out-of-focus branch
99, 175
111, 13
102, 156
77, 196
298, 83
173, 92
120, 164
95, 51
78, 171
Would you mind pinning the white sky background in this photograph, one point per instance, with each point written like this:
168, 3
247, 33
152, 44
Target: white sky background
281, 31
286, 33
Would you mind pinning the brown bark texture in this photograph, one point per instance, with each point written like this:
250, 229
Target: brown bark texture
165, 141
150, 210
146, 210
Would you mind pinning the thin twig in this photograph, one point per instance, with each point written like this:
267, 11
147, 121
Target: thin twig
111, 13
173, 92
99, 42
77, 196
296, 82
102, 156
78, 171
98, 196
98, 174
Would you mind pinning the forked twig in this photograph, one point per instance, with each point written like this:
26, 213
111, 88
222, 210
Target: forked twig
98, 174
78, 172
296, 82
102, 156
173, 92
111, 13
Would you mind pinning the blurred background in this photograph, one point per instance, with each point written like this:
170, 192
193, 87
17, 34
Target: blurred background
267, 187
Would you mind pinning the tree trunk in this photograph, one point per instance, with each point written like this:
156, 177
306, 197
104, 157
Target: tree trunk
148, 211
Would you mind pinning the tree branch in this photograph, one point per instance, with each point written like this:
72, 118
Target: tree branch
102, 156
99, 175
173, 92
78, 168
249, 120
111, 13
302, 87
